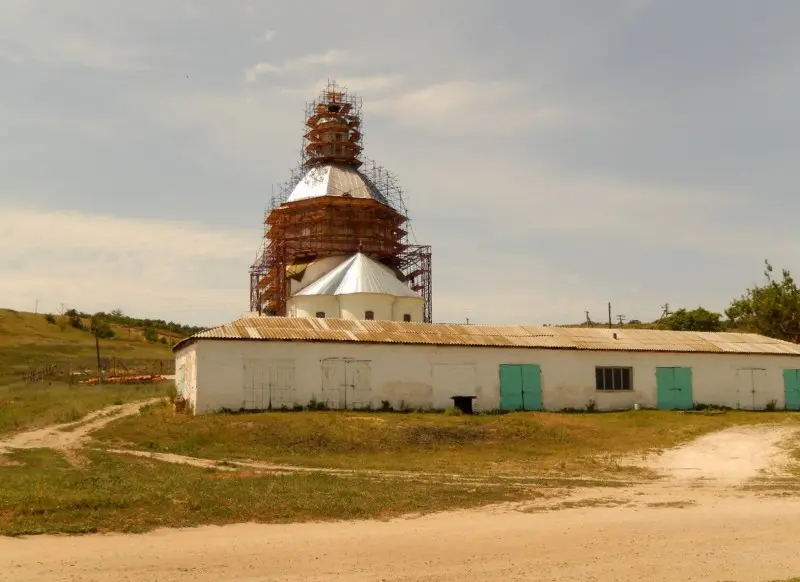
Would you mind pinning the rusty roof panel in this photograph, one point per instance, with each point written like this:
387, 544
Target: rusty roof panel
528, 336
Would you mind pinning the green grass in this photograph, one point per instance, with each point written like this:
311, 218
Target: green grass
26, 406
41, 493
28, 341
519, 443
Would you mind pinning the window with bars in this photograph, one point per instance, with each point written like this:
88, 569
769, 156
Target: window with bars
613, 379
406, 317
321, 314
369, 315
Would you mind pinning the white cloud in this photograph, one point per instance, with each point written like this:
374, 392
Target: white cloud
267, 36
327, 59
470, 107
159, 268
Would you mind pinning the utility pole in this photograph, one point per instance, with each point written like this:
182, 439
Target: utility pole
621, 319
588, 319
610, 325
62, 308
36, 309
97, 347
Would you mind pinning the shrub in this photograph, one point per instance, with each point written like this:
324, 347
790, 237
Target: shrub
50, 318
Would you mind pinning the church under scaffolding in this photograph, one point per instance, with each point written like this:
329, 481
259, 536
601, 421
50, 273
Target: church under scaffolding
335, 204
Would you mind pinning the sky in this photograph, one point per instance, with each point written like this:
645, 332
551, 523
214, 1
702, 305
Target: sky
557, 155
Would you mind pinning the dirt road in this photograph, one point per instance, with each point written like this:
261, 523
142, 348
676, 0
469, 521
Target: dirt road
673, 530
72, 435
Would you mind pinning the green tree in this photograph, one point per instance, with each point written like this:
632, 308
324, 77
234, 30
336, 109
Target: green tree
699, 319
772, 309
150, 334
100, 327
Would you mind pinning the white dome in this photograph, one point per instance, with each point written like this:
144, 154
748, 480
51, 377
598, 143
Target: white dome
335, 180
359, 274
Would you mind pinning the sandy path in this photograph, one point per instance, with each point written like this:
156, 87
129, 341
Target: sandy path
723, 541
730, 456
71, 435
673, 530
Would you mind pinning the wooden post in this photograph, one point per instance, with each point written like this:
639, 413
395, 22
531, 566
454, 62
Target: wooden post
97, 347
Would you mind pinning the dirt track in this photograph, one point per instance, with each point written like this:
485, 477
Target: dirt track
72, 434
694, 525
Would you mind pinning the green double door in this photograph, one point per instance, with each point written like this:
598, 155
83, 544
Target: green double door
520, 387
674, 388
791, 388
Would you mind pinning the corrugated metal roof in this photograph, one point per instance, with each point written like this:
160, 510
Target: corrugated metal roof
447, 334
335, 180
359, 274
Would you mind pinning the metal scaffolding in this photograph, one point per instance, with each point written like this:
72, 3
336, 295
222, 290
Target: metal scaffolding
298, 232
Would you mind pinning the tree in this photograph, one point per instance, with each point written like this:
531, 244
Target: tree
150, 334
698, 319
116, 312
74, 318
100, 328
772, 309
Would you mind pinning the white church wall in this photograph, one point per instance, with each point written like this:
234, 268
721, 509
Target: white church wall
408, 305
355, 306
310, 305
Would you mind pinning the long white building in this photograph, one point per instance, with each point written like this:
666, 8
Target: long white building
275, 362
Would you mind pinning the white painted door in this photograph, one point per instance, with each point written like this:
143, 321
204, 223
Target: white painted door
267, 384
357, 382
255, 384
751, 388
282, 384
346, 383
333, 384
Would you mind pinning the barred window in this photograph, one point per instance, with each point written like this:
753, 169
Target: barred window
613, 379
321, 314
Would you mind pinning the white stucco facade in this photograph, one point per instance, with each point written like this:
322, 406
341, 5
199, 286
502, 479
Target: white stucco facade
237, 374
356, 306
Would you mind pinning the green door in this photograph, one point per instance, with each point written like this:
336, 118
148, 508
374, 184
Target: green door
520, 387
674, 388
531, 387
510, 387
791, 388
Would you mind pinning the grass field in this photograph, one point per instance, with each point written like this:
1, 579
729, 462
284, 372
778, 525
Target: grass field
518, 443
41, 493
452, 462
28, 341
25, 406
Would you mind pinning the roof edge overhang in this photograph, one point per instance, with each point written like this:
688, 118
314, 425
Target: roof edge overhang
186, 342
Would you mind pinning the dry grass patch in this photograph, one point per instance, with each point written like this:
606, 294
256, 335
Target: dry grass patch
516, 443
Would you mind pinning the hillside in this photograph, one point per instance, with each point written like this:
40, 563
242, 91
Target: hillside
29, 341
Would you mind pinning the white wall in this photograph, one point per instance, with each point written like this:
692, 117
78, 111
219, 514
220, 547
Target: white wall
309, 305
410, 305
355, 306
426, 376
186, 373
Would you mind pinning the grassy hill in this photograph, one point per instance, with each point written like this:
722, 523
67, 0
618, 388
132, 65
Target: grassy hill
29, 341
